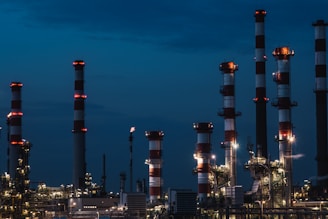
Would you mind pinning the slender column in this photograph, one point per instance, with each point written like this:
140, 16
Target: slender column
79, 129
284, 104
230, 144
203, 155
155, 164
321, 101
260, 99
15, 127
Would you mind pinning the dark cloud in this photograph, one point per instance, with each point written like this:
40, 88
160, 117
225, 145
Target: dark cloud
183, 24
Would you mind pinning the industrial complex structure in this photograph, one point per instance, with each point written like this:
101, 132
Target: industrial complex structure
272, 195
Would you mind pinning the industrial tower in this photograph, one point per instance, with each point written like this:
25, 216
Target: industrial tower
79, 129
15, 128
321, 101
258, 164
230, 143
203, 156
260, 99
284, 104
155, 165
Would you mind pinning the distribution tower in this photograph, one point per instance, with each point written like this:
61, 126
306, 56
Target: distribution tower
284, 104
203, 155
321, 101
229, 114
155, 164
79, 129
260, 99
15, 128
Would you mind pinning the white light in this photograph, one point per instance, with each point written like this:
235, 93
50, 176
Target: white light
291, 139
235, 145
132, 129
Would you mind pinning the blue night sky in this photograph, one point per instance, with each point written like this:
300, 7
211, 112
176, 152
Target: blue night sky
152, 65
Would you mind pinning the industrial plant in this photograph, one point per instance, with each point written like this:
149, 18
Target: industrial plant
272, 194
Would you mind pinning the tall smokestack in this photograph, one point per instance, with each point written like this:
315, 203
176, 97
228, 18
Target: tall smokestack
155, 164
132, 129
15, 127
230, 143
321, 100
284, 104
203, 156
260, 99
79, 130
122, 185
103, 178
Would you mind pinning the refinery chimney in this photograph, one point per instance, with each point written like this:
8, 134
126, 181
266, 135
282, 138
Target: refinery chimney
122, 186
230, 143
15, 128
203, 155
321, 101
155, 164
260, 99
284, 104
79, 130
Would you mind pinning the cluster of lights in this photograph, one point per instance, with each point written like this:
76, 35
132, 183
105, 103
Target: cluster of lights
14, 114
82, 130
17, 142
228, 66
16, 84
265, 99
154, 133
234, 145
276, 76
78, 96
260, 12
197, 125
264, 57
285, 136
78, 62
283, 52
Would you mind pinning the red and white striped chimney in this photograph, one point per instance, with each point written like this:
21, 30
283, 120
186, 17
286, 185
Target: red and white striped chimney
284, 104
203, 155
260, 99
15, 127
155, 164
321, 101
230, 142
79, 130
